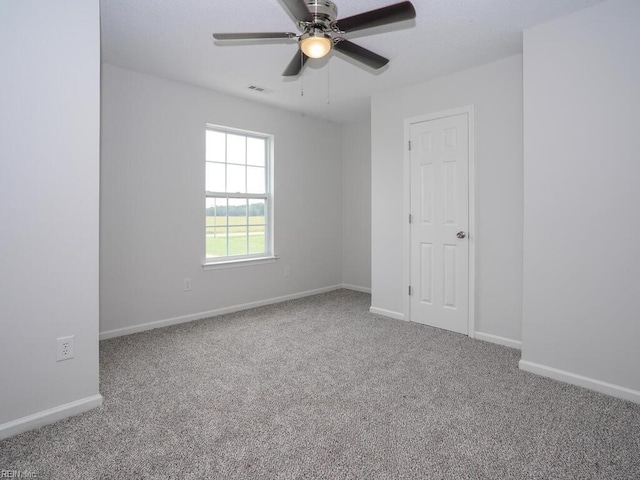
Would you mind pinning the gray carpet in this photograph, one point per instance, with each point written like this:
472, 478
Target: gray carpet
320, 388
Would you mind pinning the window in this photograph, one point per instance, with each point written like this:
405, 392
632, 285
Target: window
238, 195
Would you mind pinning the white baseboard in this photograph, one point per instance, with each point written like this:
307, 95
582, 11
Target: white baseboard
52, 415
507, 342
348, 286
387, 313
581, 381
118, 332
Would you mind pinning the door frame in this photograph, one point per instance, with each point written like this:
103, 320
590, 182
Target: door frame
471, 234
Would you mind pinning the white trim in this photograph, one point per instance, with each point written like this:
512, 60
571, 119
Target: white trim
239, 131
387, 313
356, 288
507, 342
242, 262
52, 415
581, 381
118, 332
406, 230
471, 234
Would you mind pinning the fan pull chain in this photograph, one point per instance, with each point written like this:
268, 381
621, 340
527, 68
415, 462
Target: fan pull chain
301, 74
328, 84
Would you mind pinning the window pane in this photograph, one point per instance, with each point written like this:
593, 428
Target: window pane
256, 181
209, 205
216, 242
237, 226
236, 179
216, 212
236, 149
236, 182
215, 146
257, 227
256, 151
211, 214
256, 212
238, 240
214, 177
257, 239
237, 211
221, 211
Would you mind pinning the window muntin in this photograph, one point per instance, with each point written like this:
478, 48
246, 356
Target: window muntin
238, 196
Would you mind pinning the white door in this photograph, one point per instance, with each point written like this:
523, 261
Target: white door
439, 205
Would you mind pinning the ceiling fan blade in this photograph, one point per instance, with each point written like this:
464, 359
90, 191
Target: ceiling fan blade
253, 35
295, 65
361, 54
298, 9
381, 16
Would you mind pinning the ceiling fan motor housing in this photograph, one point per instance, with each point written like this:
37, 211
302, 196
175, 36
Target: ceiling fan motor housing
324, 14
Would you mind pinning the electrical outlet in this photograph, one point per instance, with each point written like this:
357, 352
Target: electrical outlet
287, 271
187, 284
65, 348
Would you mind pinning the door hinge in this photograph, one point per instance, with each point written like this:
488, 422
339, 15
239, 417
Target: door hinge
409, 145
409, 290
410, 218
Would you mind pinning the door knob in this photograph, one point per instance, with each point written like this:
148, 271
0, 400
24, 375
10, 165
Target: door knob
461, 234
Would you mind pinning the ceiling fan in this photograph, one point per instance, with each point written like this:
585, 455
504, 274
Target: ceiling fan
320, 32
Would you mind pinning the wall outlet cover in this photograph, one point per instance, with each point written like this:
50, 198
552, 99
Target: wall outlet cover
65, 348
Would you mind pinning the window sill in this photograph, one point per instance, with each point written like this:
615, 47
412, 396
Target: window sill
243, 262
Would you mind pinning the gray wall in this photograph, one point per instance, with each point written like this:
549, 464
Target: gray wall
495, 90
356, 211
582, 152
152, 202
49, 165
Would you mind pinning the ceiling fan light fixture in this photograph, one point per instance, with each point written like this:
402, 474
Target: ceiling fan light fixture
315, 45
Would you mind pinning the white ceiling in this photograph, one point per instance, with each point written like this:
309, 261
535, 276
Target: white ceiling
172, 39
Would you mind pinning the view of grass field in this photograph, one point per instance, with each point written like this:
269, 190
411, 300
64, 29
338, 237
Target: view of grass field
217, 247
234, 235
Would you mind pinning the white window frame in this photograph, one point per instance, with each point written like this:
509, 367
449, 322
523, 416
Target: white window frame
251, 259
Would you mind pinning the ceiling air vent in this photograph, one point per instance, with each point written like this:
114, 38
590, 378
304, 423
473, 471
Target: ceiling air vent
256, 88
